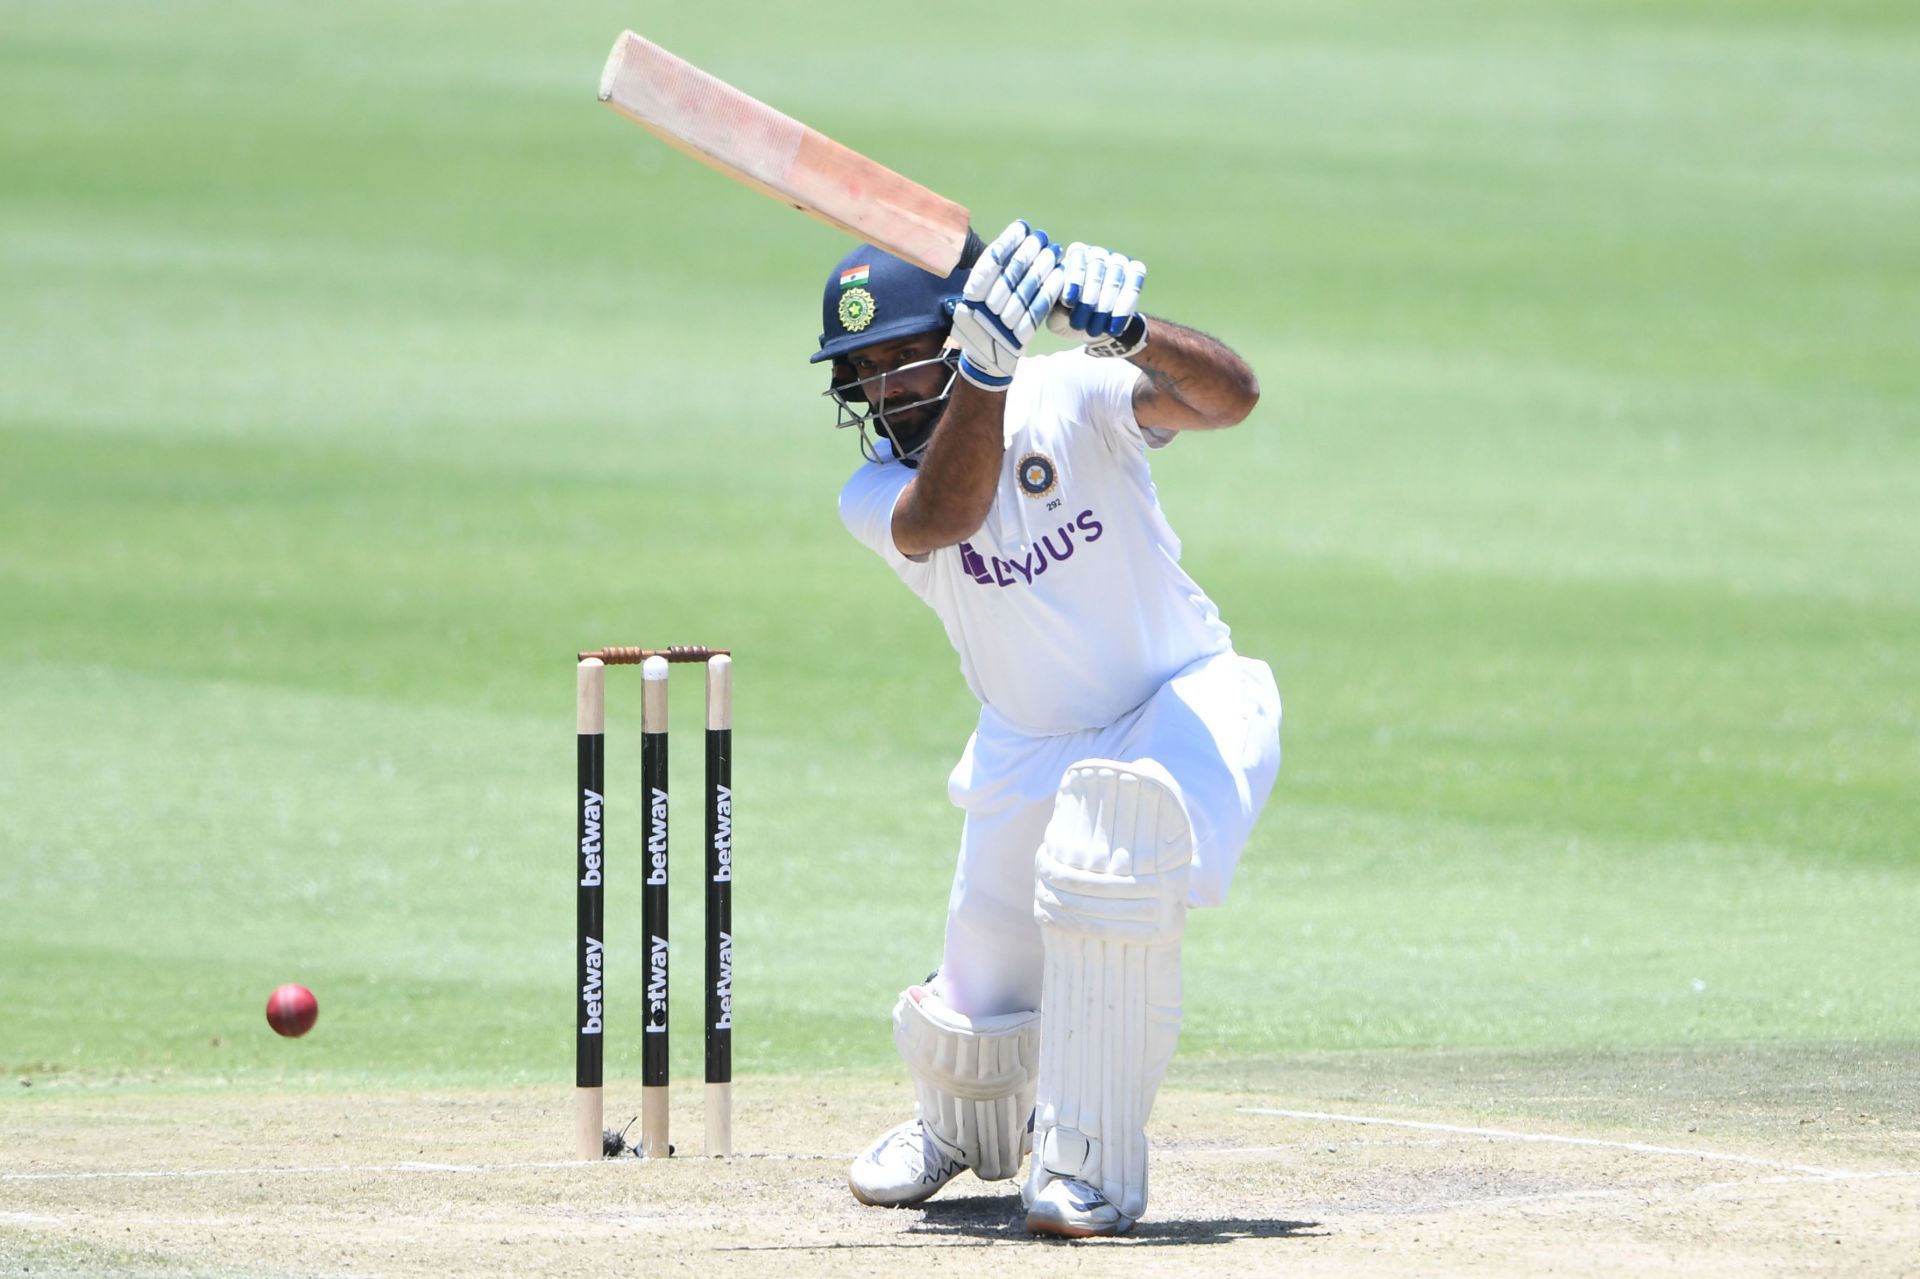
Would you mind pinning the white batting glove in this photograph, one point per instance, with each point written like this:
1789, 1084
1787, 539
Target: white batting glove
1013, 285
1100, 301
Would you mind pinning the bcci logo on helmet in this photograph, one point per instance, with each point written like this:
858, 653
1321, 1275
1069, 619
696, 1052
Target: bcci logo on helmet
856, 310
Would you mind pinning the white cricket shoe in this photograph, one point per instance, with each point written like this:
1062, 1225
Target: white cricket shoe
907, 1165
1069, 1207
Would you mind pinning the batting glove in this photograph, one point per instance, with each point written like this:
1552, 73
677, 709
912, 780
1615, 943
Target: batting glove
1011, 288
1100, 301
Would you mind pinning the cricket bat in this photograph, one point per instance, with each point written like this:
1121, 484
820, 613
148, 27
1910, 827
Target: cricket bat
778, 156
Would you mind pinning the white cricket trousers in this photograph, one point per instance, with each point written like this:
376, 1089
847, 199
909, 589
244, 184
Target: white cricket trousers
1215, 726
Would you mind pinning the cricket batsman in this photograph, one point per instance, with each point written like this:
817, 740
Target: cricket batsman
1123, 749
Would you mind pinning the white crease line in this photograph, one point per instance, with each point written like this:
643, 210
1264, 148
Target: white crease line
1504, 1134
1640, 1192
136, 1174
1895, 1174
415, 1166
1264, 1152
164, 1174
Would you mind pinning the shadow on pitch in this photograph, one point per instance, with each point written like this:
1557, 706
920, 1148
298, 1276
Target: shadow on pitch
1001, 1218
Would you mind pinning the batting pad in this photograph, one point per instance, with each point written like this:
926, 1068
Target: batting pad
1110, 896
973, 1077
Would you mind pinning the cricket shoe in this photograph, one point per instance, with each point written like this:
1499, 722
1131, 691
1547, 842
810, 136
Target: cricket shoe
907, 1165
1075, 1210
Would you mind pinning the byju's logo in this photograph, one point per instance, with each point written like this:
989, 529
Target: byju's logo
991, 570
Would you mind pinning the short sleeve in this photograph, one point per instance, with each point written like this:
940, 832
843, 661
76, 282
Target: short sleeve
866, 508
1107, 390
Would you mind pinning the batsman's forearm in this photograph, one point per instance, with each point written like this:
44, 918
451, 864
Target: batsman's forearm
1206, 384
953, 490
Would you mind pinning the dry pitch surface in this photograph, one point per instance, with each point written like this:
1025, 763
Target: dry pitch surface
99, 1182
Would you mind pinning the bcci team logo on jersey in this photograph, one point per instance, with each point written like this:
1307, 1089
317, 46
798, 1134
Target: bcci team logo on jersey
1038, 475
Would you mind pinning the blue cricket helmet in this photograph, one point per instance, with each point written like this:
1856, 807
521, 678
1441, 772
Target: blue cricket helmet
872, 296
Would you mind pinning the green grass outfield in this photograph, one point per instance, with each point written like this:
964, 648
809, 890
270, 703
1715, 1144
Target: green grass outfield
356, 368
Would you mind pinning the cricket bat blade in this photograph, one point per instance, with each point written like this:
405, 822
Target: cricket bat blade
778, 156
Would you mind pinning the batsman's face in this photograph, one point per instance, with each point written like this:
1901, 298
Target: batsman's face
913, 372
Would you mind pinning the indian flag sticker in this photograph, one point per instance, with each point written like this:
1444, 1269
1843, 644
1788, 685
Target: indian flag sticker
853, 275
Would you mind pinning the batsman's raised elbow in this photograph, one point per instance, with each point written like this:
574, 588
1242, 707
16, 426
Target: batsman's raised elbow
1246, 396
1231, 403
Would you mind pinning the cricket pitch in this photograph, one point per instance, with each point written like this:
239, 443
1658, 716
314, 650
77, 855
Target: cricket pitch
218, 1182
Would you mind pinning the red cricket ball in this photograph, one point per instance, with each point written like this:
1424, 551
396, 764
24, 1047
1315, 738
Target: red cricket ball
292, 1010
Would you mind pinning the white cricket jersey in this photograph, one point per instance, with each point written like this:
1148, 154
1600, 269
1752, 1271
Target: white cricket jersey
1068, 607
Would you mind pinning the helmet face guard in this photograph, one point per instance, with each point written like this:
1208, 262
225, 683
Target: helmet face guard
859, 401
873, 298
